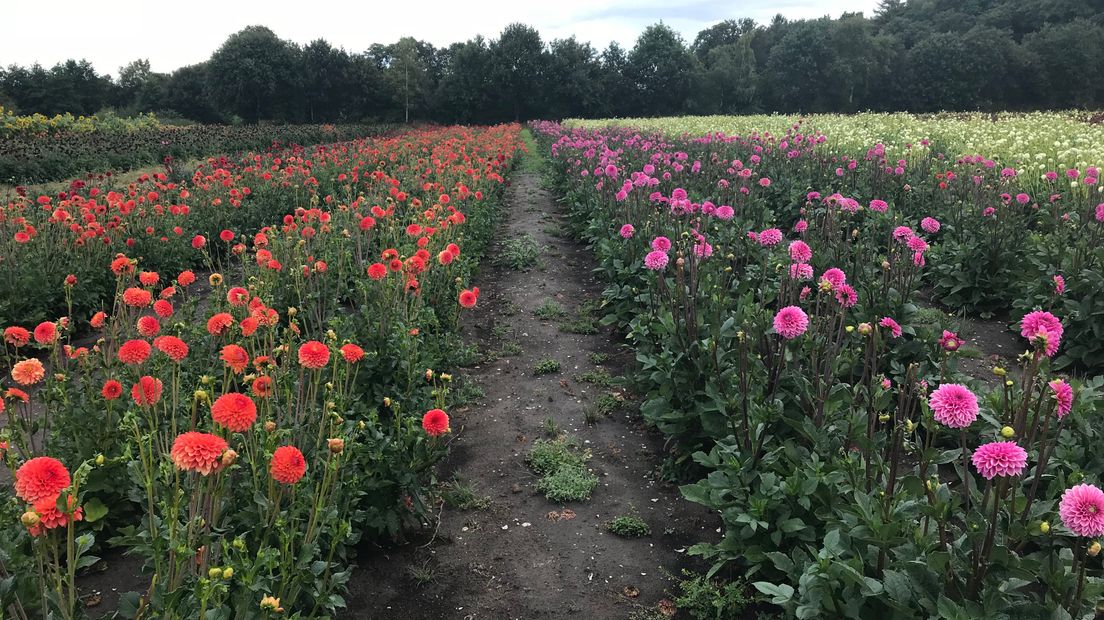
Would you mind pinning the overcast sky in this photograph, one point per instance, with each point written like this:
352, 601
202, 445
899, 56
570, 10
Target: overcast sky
174, 33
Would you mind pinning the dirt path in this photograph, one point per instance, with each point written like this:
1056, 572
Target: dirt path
512, 558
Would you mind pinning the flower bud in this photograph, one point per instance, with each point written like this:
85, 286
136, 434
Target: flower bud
227, 572
229, 458
269, 426
883, 417
1008, 432
1044, 527
200, 396
849, 328
999, 371
214, 572
30, 519
100, 459
865, 329
336, 445
1009, 383
1094, 549
292, 311
387, 402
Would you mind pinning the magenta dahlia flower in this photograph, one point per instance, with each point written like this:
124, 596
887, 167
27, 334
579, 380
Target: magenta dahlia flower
1000, 458
954, 405
791, 322
656, 260
1082, 510
770, 237
893, 326
800, 252
1063, 393
1045, 326
661, 244
930, 225
835, 276
627, 231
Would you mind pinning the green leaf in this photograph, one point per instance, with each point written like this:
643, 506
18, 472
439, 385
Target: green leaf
94, 510
897, 586
779, 593
129, 602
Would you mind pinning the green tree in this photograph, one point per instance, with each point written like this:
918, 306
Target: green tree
661, 69
253, 75
519, 69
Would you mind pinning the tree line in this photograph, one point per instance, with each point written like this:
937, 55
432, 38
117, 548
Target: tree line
917, 55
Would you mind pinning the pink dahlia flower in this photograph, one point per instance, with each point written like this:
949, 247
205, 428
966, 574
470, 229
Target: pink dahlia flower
791, 322
954, 405
1063, 393
800, 252
893, 326
1040, 324
1082, 510
627, 231
770, 237
1000, 458
656, 260
661, 244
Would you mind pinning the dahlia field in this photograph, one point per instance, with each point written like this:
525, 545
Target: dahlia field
239, 375
793, 292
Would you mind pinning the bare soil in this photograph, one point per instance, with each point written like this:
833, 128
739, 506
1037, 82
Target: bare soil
524, 556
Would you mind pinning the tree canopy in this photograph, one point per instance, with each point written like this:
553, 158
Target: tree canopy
917, 55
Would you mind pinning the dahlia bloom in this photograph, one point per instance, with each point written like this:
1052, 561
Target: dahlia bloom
1059, 285
879, 205
171, 346
137, 297
930, 225
435, 422
1000, 458
893, 327
377, 271
1082, 510
800, 252
134, 352
49, 517
288, 465
770, 237
314, 355
352, 353
661, 244
148, 326
954, 405
950, 341
219, 323
235, 357
801, 271
790, 322
46, 333
16, 336
40, 478
835, 276
28, 372
656, 260
627, 231
1044, 325
468, 298
111, 390
1063, 393
262, 386
198, 452
234, 411
846, 295
147, 391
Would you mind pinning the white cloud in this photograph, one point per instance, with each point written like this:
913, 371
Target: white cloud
173, 34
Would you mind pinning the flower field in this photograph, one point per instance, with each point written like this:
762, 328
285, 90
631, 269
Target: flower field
236, 376
790, 288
